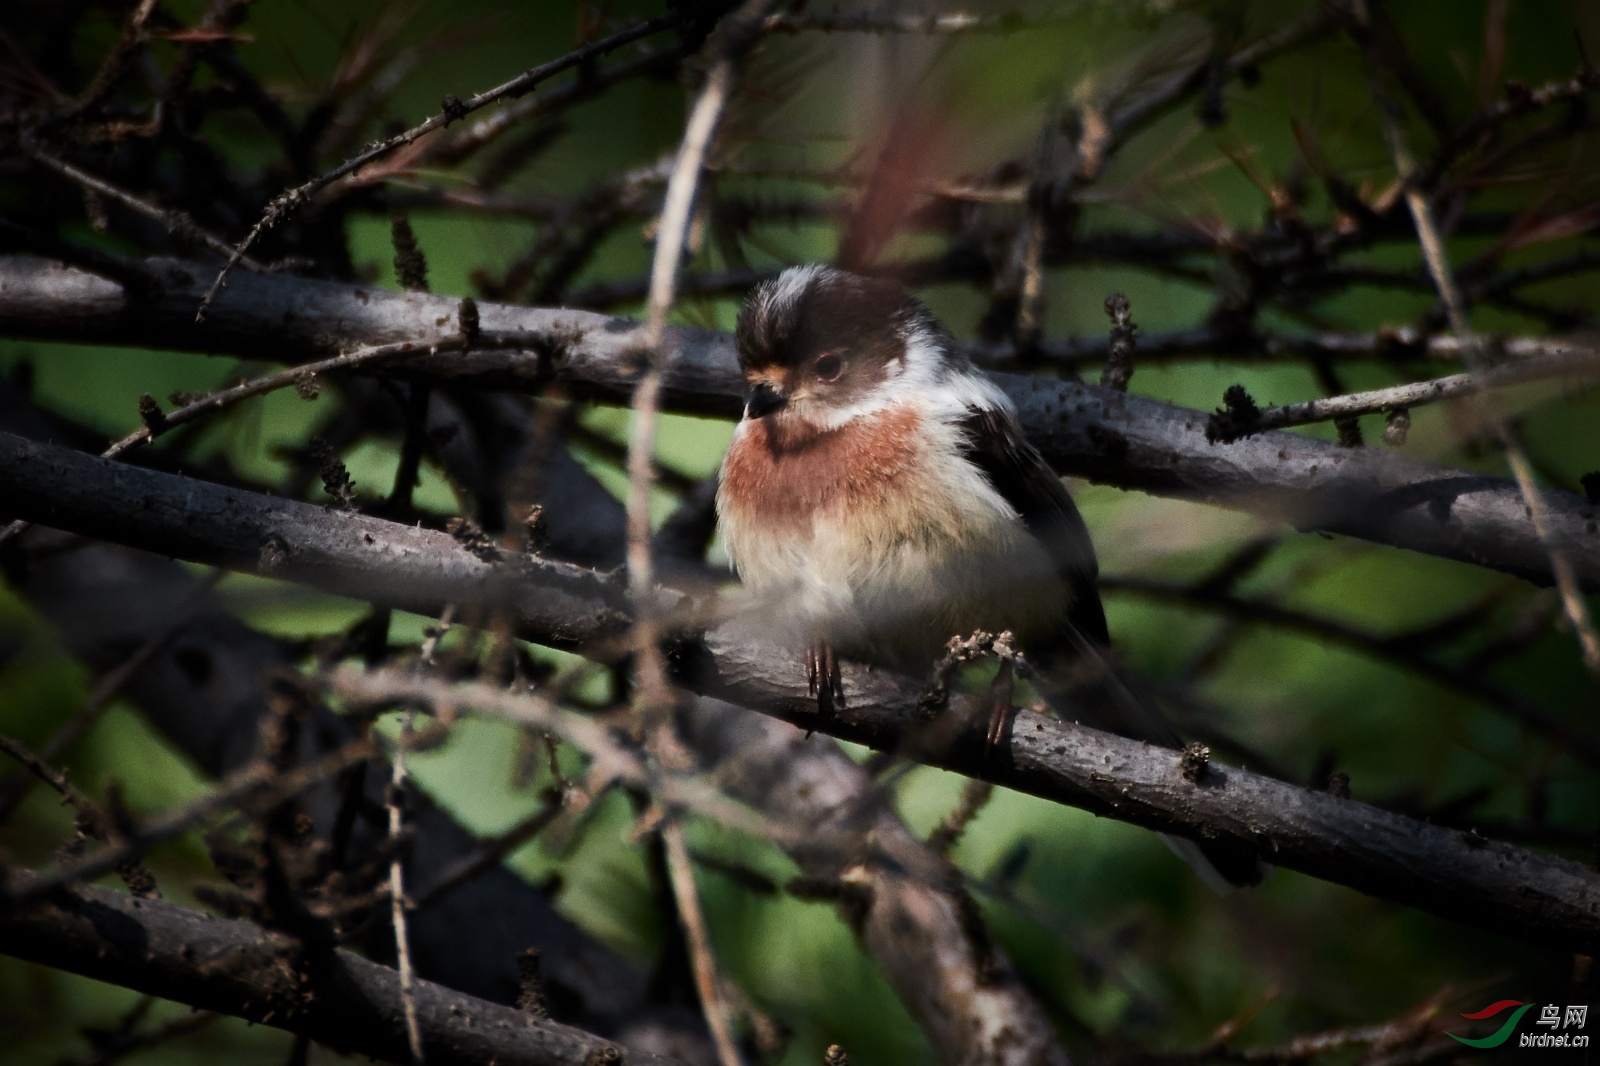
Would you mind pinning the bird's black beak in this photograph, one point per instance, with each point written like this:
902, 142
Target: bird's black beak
763, 399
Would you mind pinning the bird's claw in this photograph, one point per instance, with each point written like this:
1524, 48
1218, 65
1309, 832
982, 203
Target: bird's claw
1000, 694
822, 677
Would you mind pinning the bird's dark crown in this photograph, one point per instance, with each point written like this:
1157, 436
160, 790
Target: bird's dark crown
827, 337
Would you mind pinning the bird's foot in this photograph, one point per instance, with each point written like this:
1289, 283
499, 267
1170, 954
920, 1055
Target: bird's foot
822, 676
1001, 690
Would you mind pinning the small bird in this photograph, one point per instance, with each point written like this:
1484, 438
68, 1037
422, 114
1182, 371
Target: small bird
879, 498
880, 489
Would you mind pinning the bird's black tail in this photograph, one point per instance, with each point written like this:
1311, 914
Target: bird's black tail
1087, 686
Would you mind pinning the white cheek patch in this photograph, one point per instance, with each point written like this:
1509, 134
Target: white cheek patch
937, 382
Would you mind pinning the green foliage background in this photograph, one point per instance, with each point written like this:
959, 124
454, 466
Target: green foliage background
1116, 936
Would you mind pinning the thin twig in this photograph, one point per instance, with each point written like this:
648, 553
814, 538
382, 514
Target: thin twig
1472, 353
398, 904
670, 240
46, 773
122, 1044
1579, 362
1260, 610
1126, 119
452, 109
954, 22
973, 799
160, 422
609, 759
490, 851
258, 782
680, 871
116, 63
436, 633
397, 889
176, 222
1027, 261
484, 131
654, 695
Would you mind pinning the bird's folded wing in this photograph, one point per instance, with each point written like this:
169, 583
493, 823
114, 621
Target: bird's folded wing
994, 444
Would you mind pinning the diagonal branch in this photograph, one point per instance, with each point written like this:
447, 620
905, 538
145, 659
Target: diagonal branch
176, 222
1446, 872
204, 696
451, 110
905, 903
336, 998
731, 41
157, 422
1434, 255
957, 984
1100, 434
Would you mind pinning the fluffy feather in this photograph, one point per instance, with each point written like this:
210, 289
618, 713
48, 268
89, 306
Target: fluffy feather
881, 497
863, 510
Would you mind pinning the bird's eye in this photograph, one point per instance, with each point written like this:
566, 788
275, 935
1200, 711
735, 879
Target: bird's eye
828, 366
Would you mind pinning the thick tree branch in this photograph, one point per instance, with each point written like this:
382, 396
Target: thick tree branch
1446, 872
905, 902
960, 987
204, 696
202, 691
1096, 433
336, 998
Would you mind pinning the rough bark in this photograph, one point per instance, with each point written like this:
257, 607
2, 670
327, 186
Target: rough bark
201, 693
1447, 872
202, 690
905, 902
1082, 429
237, 968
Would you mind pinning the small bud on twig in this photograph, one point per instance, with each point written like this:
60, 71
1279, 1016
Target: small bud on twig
150, 414
538, 531
1591, 486
467, 318
274, 553
530, 984
336, 480
1398, 425
1119, 359
410, 265
471, 536
1237, 417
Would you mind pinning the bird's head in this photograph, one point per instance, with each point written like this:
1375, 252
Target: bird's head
820, 346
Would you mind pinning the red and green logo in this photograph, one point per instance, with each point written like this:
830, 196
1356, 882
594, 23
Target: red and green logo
1504, 1033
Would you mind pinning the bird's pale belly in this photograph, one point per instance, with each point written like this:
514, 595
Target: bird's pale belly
891, 565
